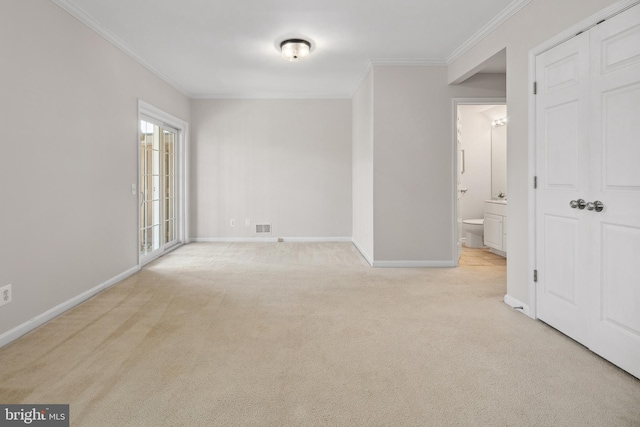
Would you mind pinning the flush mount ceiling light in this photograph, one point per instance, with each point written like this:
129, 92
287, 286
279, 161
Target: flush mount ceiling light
295, 49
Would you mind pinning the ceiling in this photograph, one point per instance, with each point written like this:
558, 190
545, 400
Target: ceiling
229, 49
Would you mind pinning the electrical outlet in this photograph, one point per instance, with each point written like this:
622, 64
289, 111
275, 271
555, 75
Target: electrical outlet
247, 222
5, 295
232, 222
134, 191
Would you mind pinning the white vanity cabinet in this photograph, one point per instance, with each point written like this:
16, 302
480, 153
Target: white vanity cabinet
495, 226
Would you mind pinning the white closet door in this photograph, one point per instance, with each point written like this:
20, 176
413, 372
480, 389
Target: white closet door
562, 75
615, 181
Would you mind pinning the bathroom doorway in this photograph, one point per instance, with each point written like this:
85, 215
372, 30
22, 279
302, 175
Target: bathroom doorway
481, 181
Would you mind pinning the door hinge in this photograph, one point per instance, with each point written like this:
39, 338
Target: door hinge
535, 88
535, 275
535, 182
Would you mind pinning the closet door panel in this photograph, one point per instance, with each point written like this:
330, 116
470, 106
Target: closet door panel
562, 167
615, 182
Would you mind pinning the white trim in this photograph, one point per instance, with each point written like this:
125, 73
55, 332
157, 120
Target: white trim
490, 27
516, 304
569, 33
531, 194
268, 239
234, 240
54, 312
408, 62
317, 239
87, 20
497, 252
413, 264
364, 253
157, 113
274, 95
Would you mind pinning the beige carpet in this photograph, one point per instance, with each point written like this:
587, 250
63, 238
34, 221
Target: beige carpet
293, 334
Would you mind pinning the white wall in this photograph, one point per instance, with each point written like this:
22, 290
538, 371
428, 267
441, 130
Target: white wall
282, 162
69, 108
537, 22
413, 160
363, 168
499, 160
476, 142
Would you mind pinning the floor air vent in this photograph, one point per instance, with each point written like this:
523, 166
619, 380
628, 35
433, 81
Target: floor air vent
263, 228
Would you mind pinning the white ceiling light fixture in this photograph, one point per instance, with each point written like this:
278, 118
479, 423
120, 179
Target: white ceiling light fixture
295, 49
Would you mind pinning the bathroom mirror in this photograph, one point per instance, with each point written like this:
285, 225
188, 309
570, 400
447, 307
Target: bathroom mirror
498, 160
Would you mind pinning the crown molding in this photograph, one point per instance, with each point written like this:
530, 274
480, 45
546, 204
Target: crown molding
408, 62
276, 95
514, 7
87, 20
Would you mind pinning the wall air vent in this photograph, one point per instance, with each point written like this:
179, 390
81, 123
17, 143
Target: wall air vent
263, 228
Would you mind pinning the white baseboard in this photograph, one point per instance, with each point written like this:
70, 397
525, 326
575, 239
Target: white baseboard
413, 264
43, 318
364, 254
268, 239
497, 252
316, 239
233, 239
517, 304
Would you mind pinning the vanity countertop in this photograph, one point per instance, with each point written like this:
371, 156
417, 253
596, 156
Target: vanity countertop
498, 201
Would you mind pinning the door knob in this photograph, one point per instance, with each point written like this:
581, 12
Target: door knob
580, 204
597, 206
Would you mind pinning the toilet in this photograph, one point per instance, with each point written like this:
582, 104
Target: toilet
474, 232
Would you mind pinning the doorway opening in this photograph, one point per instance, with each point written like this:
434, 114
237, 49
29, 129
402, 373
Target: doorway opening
481, 182
157, 187
161, 181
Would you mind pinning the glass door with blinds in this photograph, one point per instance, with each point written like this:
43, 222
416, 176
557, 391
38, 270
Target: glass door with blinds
158, 187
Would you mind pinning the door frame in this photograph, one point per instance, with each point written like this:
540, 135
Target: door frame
182, 175
565, 35
455, 103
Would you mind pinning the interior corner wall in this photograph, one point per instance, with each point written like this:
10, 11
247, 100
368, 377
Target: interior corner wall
69, 109
539, 21
363, 168
281, 162
413, 160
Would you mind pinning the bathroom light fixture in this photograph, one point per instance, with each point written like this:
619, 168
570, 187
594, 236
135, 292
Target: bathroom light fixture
295, 49
499, 122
